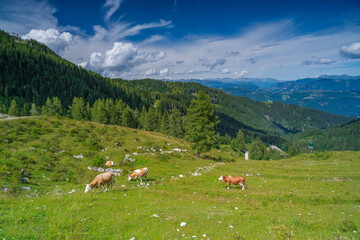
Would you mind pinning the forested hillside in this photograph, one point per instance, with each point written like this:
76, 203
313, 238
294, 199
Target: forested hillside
346, 137
32, 74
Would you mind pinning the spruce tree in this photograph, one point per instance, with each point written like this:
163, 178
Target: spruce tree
33, 110
164, 125
176, 126
238, 143
77, 109
257, 149
14, 109
201, 123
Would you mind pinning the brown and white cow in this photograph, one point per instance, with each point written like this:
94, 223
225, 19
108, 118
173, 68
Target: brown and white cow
109, 163
233, 180
138, 173
100, 180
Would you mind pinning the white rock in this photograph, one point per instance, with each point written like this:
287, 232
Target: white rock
25, 188
79, 156
181, 175
204, 235
155, 215
183, 224
231, 226
72, 191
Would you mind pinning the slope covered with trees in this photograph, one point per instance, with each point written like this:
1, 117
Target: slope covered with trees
345, 137
33, 75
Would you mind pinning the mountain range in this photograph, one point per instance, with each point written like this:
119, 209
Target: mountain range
337, 94
31, 73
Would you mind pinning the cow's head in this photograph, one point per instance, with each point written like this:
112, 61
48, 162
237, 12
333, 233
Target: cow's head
87, 188
221, 178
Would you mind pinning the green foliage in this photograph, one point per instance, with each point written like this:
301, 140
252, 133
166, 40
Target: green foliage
293, 151
238, 144
176, 125
98, 161
345, 137
14, 109
201, 123
257, 150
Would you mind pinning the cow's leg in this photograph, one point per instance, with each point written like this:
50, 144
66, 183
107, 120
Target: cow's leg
228, 186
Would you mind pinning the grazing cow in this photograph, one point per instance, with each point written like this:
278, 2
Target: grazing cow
100, 180
233, 180
138, 173
109, 163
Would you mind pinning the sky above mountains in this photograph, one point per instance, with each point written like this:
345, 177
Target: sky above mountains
183, 39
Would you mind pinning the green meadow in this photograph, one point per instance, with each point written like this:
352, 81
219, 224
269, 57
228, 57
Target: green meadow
313, 196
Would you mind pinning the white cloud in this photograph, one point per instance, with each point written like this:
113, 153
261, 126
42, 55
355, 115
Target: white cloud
21, 16
164, 72
113, 5
83, 64
319, 61
51, 37
352, 51
225, 70
122, 58
240, 74
150, 72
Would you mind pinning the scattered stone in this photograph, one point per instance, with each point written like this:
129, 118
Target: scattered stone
79, 156
183, 224
25, 188
72, 191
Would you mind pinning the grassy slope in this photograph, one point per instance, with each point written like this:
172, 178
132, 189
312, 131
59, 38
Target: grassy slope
310, 196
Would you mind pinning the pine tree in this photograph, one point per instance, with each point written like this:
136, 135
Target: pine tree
33, 110
257, 149
150, 120
142, 118
14, 109
176, 126
57, 106
238, 143
201, 123
77, 109
164, 125
127, 118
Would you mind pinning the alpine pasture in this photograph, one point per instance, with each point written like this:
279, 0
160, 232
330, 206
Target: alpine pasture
46, 163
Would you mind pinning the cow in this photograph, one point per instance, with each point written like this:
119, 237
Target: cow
100, 180
233, 180
109, 163
138, 173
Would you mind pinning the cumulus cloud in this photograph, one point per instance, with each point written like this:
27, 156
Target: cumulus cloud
52, 38
212, 64
123, 57
150, 72
83, 64
225, 70
240, 74
320, 61
164, 72
352, 51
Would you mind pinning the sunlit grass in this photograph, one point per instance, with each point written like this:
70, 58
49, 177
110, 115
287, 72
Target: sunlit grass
307, 197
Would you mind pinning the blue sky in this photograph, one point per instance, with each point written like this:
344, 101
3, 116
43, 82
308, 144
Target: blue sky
183, 39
